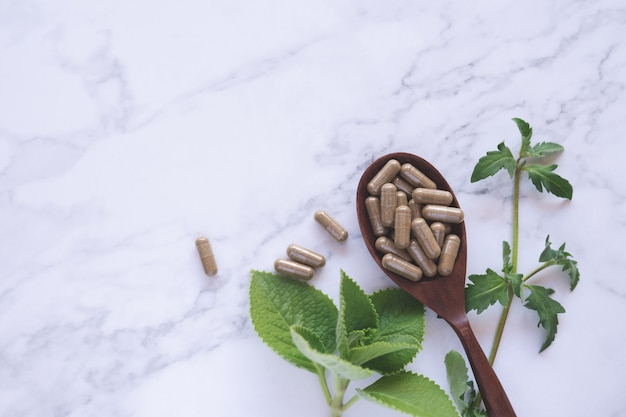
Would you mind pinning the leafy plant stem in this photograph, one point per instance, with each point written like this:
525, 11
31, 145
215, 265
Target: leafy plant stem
321, 376
340, 385
537, 270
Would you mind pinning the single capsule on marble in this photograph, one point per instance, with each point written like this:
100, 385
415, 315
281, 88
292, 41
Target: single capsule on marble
402, 185
430, 196
425, 237
449, 253
402, 199
401, 267
416, 177
388, 204
442, 213
385, 175
372, 204
402, 227
293, 269
385, 245
439, 231
416, 209
206, 256
424, 262
333, 228
305, 256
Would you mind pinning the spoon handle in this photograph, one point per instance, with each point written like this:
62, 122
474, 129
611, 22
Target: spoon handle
494, 397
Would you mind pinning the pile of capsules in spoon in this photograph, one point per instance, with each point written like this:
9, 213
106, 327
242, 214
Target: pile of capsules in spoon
412, 220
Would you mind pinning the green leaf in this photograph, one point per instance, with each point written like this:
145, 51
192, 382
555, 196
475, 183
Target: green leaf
412, 394
456, 372
562, 258
544, 149
277, 303
356, 312
507, 265
547, 309
527, 133
516, 282
302, 340
493, 162
485, 291
542, 176
401, 320
364, 354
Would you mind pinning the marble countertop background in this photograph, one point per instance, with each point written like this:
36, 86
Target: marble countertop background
129, 129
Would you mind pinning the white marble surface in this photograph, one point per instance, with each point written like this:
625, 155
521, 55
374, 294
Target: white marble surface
128, 129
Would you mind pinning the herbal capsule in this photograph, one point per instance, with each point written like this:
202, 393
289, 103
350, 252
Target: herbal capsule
372, 204
305, 256
416, 209
383, 176
385, 245
425, 237
206, 256
401, 198
293, 269
429, 196
449, 253
439, 231
332, 227
388, 204
416, 177
402, 227
442, 213
401, 267
402, 185
424, 262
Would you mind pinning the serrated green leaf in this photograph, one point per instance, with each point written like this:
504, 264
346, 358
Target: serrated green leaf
516, 282
485, 290
542, 176
493, 162
277, 303
356, 312
401, 320
364, 354
301, 339
544, 149
456, 373
527, 133
507, 265
547, 309
562, 258
412, 394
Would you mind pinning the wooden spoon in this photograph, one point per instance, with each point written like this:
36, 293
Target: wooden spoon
444, 295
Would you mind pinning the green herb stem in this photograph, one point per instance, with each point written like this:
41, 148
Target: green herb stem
537, 270
340, 385
321, 377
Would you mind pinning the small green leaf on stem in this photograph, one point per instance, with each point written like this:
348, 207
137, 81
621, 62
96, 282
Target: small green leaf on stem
456, 373
547, 309
412, 394
485, 290
544, 149
543, 176
562, 258
527, 133
493, 162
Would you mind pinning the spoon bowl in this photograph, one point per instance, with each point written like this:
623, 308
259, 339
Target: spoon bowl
445, 295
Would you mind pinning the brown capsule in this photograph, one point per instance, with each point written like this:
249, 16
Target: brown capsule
416, 177
442, 213
425, 237
429, 196
305, 256
372, 204
416, 209
388, 204
331, 226
385, 175
206, 256
439, 231
402, 227
402, 185
449, 253
401, 267
401, 198
424, 262
293, 269
385, 245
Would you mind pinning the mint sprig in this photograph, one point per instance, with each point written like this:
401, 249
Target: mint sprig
367, 335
